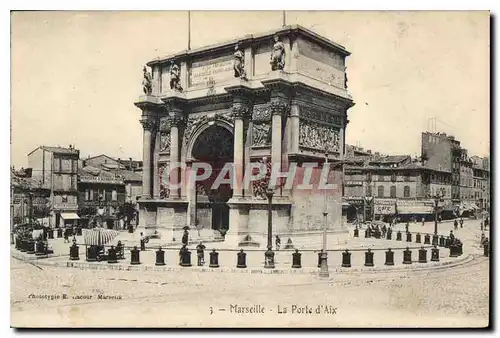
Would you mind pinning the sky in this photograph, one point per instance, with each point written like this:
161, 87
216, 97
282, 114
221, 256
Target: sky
76, 75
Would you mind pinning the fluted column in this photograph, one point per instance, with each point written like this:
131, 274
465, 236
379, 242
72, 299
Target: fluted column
294, 128
277, 110
239, 112
175, 122
148, 126
156, 177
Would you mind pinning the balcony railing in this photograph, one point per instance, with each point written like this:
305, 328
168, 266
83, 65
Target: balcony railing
107, 180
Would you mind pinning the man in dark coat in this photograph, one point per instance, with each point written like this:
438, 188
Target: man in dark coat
200, 253
185, 237
455, 224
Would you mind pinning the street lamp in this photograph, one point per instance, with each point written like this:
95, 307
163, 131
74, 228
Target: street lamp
437, 198
269, 255
100, 211
323, 272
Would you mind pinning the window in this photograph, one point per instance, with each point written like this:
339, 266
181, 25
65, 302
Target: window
380, 191
87, 194
393, 191
406, 191
103, 195
91, 195
393, 177
113, 195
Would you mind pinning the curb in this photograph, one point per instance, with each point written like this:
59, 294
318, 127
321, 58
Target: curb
415, 266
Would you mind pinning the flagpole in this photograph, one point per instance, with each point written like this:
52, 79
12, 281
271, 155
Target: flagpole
284, 18
189, 30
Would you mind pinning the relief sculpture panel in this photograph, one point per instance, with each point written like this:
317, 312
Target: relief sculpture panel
317, 136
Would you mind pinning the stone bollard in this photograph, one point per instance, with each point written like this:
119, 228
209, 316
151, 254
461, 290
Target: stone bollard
92, 253
367, 233
460, 249
389, 257
185, 258
51, 233
40, 248
369, 258
407, 256
441, 241
435, 240
435, 254
160, 257
135, 256
30, 248
422, 255
408, 236
447, 242
389, 234
296, 259
74, 252
398, 236
269, 259
427, 239
356, 231
214, 259
346, 259
242, 259
418, 238
59, 233
130, 229
453, 250
112, 255
486, 248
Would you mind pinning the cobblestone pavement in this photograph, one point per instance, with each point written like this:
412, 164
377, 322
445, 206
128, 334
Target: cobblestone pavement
447, 297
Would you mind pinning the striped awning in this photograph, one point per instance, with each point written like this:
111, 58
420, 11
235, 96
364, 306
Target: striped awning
99, 236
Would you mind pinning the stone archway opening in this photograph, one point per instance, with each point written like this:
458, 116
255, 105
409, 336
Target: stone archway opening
215, 147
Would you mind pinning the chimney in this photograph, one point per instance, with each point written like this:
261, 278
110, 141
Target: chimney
119, 163
130, 161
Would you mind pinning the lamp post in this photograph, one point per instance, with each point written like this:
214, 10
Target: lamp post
323, 272
100, 211
269, 255
437, 198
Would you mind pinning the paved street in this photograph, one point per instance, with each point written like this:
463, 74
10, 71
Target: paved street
442, 297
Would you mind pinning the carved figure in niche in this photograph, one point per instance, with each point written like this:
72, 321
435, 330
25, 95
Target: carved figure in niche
278, 55
175, 77
164, 140
261, 134
239, 63
147, 81
163, 176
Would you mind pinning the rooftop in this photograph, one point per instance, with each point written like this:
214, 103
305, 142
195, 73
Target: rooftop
290, 29
59, 150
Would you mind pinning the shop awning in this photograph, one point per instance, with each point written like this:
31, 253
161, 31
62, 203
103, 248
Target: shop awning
69, 216
415, 209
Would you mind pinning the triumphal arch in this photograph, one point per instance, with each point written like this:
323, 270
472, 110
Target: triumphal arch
279, 98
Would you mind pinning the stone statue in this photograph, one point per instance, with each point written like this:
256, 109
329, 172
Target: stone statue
147, 81
175, 77
239, 63
278, 55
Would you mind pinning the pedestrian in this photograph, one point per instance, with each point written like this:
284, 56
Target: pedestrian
66, 236
278, 242
185, 237
182, 252
455, 224
201, 254
423, 221
461, 222
143, 242
452, 237
407, 226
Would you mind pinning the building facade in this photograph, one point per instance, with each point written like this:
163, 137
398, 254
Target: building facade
57, 169
279, 98
386, 186
101, 195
